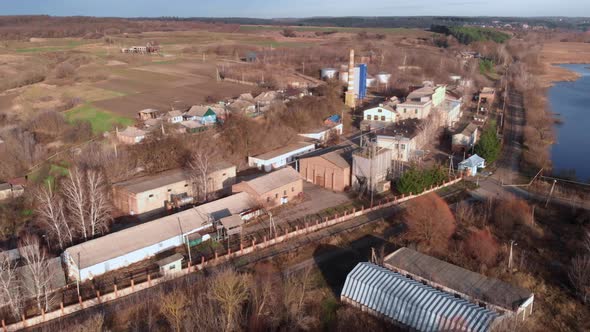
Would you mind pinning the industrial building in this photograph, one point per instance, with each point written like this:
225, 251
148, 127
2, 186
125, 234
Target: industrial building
487, 292
171, 188
322, 134
400, 138
113, 251
371, 167
330, 170
273, 189
411, 304
280, 157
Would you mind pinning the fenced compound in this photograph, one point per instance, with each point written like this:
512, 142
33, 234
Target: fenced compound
91, 297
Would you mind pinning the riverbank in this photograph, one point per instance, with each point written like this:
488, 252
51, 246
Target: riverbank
556, 53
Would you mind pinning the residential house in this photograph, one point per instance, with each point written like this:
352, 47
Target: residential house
451, 110
202, 114
266, 98
487, 95
134, 244
330, 170
465, 139
420, 102
251, 57
192, 126
401, 138
411, 304
487, 293
147, 114
174, 116
273, 189
382, 113
371, 167
171, 188
472, 164
280, 157
131, 135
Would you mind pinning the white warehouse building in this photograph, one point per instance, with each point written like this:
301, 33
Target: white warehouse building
110, 252
280, 157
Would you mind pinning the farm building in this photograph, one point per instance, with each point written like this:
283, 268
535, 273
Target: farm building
280, 157
472, 164
330, 170
147, 114
273, 189
175, 187
487, 292
411, 304
8, 190
131, 135
110, 252
465, 139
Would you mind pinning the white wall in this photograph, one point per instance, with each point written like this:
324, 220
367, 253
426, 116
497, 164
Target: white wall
279, 161
379, 112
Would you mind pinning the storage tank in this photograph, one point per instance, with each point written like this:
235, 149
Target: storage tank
328, 73
383, 77
370, 81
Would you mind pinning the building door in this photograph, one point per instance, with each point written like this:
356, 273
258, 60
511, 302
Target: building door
320, 181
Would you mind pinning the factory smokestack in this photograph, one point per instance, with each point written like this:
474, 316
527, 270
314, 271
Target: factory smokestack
350, 99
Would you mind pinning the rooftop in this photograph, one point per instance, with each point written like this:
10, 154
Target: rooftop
170, 259
451, 276
469, 129
131, 239
151, 182
415, 305
148, 111
200, 110
5, 186
408, 128
173, 114
335, 157
132, 132
284, 150
473, 161
276, 179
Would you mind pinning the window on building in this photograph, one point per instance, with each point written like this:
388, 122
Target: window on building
169, 190
292, 189
368, 117
151, 196
224, 174
268, 199
403, 146
284, 193
186, 185
416, 111
397, 146
277, 195
405, 110
379, 110
171, 267
382, 117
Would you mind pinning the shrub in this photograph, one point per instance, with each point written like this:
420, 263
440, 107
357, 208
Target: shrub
483, 246
417, 180
430, 222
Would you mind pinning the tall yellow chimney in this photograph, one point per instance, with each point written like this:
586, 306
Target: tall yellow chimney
350, 99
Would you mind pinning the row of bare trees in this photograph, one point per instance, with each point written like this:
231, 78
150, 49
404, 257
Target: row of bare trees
31, 279
79, 209
579, 272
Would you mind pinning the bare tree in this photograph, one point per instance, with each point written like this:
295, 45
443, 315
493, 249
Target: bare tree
296, 286
74, 192
38, 276
201, 160
173, 307
50, 211
231, 290
99, 208
10, 288
579, 275
86, 195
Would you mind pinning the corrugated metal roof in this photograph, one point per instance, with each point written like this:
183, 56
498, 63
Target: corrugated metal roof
463, 281
411, 303
473, 161
141, 236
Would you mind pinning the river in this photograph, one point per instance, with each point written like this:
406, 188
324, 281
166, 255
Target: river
571, 101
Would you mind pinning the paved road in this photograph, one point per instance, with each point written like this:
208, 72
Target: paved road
508, 164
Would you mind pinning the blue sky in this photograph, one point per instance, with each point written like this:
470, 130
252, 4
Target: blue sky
295, 8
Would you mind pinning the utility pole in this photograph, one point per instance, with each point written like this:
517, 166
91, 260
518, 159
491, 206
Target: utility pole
550, 193
512, 243
79, 275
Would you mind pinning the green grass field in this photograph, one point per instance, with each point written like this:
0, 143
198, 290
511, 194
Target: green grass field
100, 120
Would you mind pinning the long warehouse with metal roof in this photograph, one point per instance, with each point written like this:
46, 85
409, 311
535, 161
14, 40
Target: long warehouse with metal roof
412, 304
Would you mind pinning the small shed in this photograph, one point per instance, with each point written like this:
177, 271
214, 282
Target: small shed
232, 225
171, 264
471, 164
251, 57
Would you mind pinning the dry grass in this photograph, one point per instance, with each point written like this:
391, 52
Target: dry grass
561, 53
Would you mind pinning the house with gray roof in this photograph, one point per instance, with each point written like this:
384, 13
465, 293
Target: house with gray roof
273, 189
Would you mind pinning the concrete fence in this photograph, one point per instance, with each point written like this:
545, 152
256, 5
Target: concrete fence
309, 228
